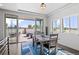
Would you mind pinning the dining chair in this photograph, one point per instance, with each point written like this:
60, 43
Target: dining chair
50, 47
38, 44
41, 34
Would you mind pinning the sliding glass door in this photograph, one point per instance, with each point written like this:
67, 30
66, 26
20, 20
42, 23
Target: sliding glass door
17, 29
39, 26
11, 29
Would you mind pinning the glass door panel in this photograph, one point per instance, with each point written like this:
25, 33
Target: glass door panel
39, 26
11, 29
25, 27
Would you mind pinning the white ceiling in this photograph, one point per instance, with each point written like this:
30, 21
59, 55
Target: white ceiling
32, 7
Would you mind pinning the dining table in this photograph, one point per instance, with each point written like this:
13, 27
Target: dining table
42, 39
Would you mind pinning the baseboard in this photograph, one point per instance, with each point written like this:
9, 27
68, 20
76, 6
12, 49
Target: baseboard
76, 52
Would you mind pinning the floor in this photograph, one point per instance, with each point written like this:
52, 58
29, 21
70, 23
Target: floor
16, 49
23, 38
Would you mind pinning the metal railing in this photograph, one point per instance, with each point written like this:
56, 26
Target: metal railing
4, 46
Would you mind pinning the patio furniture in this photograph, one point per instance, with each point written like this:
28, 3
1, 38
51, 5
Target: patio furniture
29, 35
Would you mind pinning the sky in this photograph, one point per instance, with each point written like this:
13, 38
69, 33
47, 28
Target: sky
25, 23
73, 22
56, 23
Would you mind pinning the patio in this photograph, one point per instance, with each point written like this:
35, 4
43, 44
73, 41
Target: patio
23, 38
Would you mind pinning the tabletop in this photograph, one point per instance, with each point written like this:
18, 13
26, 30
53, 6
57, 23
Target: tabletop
40, 38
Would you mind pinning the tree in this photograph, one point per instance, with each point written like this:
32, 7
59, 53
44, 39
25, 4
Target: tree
36, 26
30, 26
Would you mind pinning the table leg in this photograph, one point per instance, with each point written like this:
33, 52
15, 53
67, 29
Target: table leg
41, 51
33, 42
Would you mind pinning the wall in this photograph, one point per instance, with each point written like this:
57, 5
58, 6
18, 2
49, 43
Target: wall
68, 39
1, 25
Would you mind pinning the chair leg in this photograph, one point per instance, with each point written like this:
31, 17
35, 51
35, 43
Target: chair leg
55, 51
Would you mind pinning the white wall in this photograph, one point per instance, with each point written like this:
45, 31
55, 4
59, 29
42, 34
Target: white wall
1, 25
68, 39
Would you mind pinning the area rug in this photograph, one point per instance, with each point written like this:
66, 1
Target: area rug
25, 49
28, 49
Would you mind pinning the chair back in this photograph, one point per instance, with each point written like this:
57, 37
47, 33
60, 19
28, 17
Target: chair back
53, 39
53, 35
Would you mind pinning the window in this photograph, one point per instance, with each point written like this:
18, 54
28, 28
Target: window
70, 24
56, 26
73, 24
66, 24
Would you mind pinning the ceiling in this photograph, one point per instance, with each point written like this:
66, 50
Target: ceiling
32, 7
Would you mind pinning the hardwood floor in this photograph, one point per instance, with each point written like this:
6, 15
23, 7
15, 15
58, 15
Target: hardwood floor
76, 52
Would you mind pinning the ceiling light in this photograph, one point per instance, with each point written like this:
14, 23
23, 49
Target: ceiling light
43, 5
